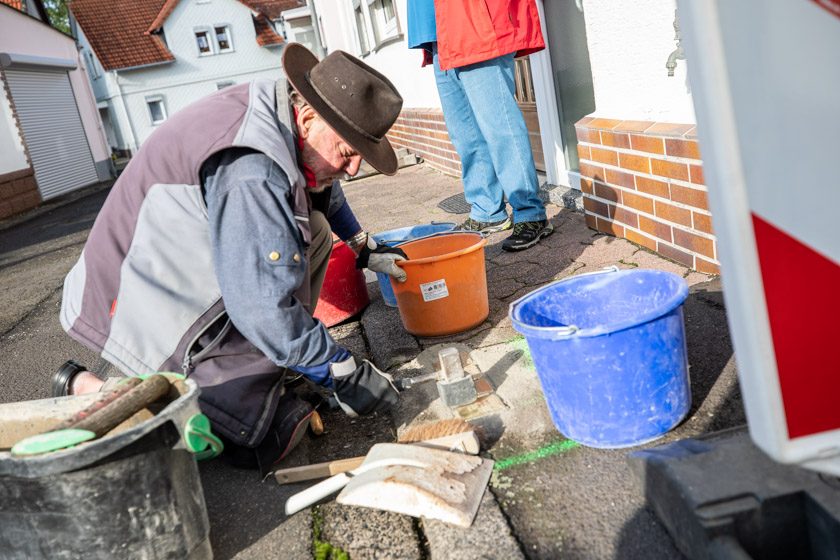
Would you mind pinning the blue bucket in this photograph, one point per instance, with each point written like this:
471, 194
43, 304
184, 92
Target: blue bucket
609, 349
395, 237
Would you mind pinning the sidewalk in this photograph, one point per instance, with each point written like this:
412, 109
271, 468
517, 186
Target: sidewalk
548, 498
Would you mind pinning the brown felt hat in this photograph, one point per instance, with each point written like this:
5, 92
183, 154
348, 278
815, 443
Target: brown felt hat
358, 102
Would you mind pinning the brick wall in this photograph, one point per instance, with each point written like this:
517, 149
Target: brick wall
643, 181
423, 132
18, 192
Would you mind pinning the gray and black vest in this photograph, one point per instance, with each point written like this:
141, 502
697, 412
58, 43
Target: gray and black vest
144, 288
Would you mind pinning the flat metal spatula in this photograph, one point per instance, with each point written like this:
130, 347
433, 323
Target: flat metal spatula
408, 479
448, 488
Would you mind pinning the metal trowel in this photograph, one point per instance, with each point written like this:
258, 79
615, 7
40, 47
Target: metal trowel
409, 479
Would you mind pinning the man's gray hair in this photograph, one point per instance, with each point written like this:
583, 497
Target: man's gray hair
298, 102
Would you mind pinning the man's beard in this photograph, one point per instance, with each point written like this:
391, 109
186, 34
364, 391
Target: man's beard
320, 184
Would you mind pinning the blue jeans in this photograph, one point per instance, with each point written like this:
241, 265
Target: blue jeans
488, 132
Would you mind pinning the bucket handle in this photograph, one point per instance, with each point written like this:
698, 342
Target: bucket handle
200, 440
611, 268
398, 242
567, 330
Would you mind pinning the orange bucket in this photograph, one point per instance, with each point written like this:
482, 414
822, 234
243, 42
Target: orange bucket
446, 288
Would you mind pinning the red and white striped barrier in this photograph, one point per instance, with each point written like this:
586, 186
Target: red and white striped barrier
765, 78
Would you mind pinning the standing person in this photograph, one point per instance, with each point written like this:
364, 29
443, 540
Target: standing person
472, 45
209, 253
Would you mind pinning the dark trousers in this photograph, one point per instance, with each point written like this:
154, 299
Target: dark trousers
240, 386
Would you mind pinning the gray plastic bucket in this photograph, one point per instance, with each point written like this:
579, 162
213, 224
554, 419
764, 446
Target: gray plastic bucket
133, 495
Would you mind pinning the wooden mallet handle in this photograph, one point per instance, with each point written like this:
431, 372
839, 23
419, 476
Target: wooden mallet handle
119, 405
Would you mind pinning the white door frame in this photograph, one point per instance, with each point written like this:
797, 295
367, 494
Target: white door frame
548, 116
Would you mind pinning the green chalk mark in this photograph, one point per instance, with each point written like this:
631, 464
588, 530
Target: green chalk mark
522, 345
541, 453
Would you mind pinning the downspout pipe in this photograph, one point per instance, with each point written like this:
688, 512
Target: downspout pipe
316, 26
133, 144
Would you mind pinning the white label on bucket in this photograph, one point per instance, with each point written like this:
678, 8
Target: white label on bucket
434, 290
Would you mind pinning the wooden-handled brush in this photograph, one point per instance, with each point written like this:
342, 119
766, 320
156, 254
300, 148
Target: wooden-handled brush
450, 435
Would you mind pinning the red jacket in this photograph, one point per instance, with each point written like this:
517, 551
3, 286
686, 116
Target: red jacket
470, 31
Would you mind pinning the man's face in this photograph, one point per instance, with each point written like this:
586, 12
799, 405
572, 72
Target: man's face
325, 152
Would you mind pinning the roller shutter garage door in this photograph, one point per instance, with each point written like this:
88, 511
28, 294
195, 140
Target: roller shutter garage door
52, 129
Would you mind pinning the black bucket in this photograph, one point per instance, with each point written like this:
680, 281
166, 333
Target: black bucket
133, 495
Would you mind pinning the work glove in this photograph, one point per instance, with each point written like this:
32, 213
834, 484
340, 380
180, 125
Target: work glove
362, 389
359, 390
381, 258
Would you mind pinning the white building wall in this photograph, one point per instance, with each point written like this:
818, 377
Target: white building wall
96, 73
12, 155
629, 43
22, 34
190, 77
395, 60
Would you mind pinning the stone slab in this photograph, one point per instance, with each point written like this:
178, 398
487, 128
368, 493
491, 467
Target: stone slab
369, 534
390, 344
488, 537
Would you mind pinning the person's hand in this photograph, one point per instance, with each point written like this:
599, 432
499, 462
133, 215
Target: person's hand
381, 258
362, 389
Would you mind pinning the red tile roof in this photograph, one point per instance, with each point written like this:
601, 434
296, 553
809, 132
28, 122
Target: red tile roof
164, 13
116, 30
272, 8
16, 4
121, 32
266, 36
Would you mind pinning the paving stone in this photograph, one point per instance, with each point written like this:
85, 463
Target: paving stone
500, 288
694, 277
646, 259
425, 342
607, 251
488, 537
566, 197
515, 271
350, 336
390, 344
369, 534
503, 331
346, 437
291, 540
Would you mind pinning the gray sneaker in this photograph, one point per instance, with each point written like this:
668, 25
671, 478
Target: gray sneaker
485, 227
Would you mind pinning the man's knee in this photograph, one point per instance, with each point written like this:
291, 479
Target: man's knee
321, 235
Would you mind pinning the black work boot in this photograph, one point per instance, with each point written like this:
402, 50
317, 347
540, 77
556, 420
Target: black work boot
527, 234
62, 379
484, 227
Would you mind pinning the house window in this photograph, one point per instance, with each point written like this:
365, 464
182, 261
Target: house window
384, 19
301, 31
223, 85
202, 40
223, 38
92, 68
162, 36
157, 110
376, 19
361, 27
